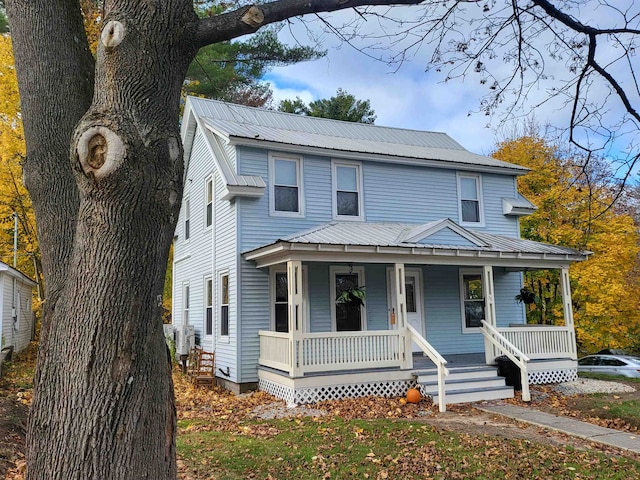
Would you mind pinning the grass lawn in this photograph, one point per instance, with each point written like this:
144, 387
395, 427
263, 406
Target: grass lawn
316, 448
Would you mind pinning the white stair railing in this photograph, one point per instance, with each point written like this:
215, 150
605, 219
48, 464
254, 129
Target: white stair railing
436, 358
507, 348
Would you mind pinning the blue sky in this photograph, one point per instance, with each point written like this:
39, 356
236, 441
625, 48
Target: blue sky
411, 97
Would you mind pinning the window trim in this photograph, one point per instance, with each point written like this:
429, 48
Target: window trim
221, 337
186, 303
478, 180
341, 269
462, 273
208, 203
208, 283
272, 296
272, 184
334, 189
186, 221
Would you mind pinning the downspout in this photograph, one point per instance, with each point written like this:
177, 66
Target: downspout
14, 310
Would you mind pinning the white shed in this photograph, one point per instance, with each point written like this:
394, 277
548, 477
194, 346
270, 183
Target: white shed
16, 319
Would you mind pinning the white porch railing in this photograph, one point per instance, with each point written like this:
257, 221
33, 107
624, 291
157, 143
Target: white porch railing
275, 351
436, 358
541, 342
505, 347
330, 351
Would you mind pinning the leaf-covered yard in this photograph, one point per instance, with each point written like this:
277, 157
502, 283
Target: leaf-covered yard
223, 436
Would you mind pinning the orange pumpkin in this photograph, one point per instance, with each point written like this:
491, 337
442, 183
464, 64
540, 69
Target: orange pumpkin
413, 395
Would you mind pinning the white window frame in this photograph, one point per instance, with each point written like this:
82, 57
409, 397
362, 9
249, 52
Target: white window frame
462, 273
186, 302
186, 224
208, 283
272, 296
272, 180
478, 180
334, 189
221, 337
340, 269
208, 202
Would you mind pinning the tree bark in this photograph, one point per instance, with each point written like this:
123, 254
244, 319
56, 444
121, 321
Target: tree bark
103, 404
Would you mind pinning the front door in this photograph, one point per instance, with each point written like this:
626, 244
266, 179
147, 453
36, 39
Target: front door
414, 299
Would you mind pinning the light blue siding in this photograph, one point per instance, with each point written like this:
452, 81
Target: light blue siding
376, 297
401, 193
446, 236
443, 312
494, 188
507, 286
319, 295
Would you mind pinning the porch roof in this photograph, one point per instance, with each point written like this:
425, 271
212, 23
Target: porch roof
412, 243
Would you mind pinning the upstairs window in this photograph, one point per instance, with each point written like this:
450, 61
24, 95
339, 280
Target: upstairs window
472, 298
347, 191
469, 193
187, 219
286, 186
208, 201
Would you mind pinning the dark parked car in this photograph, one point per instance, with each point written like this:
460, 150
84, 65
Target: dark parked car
611, 365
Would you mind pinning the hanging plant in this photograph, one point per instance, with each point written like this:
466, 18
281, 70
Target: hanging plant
353, 295
526, 296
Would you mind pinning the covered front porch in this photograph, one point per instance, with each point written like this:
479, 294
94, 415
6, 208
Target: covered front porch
414, 327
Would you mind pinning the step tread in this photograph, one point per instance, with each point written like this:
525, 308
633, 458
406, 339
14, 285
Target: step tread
465, 380
431, 371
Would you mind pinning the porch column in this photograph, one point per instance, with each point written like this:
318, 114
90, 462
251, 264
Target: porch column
296, 312
567, 310
567, 307
406, 356
489, 309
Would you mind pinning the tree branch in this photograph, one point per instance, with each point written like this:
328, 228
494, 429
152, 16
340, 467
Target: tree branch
249, 19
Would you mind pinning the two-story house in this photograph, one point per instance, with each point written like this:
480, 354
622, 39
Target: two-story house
286, 218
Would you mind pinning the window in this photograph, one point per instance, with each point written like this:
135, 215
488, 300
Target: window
469, 193
185, 304
472, 297
347, 316
280, 302
224, 305
347, 198
208, 201
187, 218
286, 186
208, 306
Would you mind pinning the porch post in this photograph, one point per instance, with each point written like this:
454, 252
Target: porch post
567, 309
489, 309
296, 312
406, 356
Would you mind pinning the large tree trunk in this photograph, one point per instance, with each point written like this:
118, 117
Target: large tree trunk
103, 406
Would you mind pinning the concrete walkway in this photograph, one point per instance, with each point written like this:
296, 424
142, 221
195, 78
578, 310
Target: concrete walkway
570, 426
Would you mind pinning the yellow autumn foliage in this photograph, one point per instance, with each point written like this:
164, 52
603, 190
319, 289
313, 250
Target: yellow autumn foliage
13, 195
572, 211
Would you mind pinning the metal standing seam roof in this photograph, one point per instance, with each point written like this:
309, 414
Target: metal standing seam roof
249, 123
389, 235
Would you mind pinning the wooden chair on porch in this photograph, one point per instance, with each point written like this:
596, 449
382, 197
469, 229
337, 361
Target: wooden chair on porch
201, 368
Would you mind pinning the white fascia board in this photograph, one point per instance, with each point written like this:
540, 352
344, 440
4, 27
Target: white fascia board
375, 157
283, 251
231, 191
17, 274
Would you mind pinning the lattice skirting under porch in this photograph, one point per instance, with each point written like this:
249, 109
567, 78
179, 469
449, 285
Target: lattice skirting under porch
553, 376
302, 396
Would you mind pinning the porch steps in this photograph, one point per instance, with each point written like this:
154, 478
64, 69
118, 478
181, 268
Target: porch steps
465, 384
